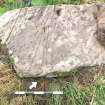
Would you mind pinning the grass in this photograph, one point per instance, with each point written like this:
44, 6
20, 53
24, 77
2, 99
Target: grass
50, 2
75, 93
78, 89
14, 4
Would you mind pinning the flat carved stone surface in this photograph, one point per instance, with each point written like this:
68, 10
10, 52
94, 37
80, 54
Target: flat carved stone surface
44, 40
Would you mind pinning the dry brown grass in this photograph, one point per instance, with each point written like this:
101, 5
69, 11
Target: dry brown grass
8, 80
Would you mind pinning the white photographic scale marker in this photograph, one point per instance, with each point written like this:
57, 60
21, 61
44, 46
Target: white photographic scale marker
33, 85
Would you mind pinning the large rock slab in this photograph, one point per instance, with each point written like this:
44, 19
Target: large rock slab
45, 40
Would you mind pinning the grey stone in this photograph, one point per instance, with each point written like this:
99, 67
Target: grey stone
46, 40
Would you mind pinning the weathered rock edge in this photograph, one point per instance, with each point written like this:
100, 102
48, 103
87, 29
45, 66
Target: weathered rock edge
47, 40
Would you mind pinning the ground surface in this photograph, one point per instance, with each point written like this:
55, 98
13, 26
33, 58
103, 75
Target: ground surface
80, 87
